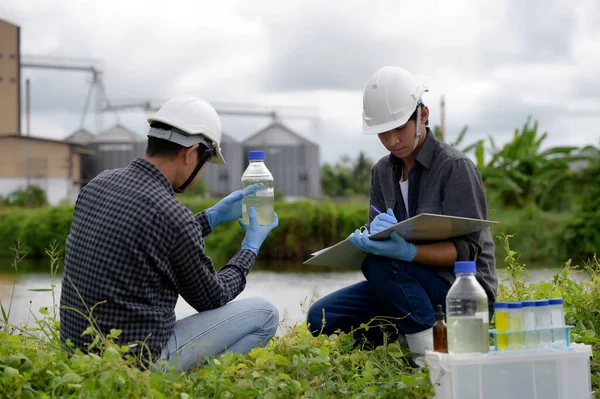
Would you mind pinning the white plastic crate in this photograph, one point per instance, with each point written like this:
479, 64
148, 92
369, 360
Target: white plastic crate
528, 374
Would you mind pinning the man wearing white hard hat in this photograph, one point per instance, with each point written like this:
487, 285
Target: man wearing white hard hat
406, 281
135, 246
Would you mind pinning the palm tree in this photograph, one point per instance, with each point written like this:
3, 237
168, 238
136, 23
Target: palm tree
524, 173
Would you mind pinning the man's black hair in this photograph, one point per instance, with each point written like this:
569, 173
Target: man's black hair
414, 115
167, 149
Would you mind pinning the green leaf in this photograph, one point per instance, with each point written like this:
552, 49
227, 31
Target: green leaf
11, 372
88, 331
114, 333
40, 289
281, 360
4, 316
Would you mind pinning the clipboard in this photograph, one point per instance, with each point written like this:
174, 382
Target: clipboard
425, 227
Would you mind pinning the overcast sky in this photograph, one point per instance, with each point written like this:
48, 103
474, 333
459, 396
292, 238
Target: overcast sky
495, 62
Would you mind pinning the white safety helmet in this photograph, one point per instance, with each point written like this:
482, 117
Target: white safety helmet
193, 121
390, 97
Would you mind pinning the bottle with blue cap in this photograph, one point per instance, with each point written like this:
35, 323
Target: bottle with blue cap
264, 199
467, 312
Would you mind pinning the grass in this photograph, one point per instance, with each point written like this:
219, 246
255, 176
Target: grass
34, 363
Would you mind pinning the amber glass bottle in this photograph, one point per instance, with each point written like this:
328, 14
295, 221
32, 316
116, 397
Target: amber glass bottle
440, 330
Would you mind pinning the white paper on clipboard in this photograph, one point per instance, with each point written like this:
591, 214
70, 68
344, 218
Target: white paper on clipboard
423, 227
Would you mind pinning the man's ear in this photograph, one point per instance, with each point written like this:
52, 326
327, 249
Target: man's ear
190, 154
424, 114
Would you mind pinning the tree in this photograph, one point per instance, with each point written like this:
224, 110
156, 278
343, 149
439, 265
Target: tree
521, 172
582, 235
31, 196
347, 177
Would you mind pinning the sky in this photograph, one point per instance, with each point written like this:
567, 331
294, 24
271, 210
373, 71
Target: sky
495, 63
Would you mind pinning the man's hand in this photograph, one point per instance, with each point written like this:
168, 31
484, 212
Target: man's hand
230, 207
256, 233
395, 247
383, 221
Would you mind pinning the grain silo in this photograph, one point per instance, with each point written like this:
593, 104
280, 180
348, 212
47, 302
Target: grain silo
116, 147
80, 135
224, 179
292, 159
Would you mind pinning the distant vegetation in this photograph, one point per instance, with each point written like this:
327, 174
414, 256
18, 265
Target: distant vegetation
30, 196
549, 197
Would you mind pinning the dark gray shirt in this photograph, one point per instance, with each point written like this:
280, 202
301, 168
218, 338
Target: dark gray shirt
443, 181
133, 245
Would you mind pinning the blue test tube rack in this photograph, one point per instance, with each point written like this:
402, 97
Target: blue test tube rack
565, 329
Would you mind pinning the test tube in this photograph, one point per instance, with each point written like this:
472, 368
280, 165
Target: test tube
543, 322
501, 314
531, 336
557, 317
515, 323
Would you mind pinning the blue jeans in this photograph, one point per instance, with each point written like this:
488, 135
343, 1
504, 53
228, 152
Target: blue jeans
237, 326
407, 292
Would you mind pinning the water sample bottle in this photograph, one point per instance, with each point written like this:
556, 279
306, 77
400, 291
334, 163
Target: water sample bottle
531, 337
440, 332
501, 314
515, 323
543, 322
467, 311
264, 199
557, 316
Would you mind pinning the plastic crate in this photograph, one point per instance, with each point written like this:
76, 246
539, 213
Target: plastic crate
545, 373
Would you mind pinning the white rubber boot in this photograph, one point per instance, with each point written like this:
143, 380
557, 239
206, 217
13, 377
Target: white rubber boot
418, 343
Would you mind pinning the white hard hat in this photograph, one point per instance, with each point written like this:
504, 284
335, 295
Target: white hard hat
193, 120
390, 97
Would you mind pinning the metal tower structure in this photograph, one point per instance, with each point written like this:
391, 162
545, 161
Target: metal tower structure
102, 103
91, 66
276, 113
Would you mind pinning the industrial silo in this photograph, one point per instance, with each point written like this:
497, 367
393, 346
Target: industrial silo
292, 159
116, 147
80, 135
224, 179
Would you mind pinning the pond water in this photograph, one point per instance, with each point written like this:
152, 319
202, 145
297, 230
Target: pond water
290, 287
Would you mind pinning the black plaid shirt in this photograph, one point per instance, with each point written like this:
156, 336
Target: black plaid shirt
134, 245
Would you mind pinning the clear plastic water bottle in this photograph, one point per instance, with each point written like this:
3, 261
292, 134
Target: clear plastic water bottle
264, 200
467, 312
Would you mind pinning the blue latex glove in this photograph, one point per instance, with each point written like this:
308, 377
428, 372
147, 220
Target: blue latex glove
383, 221
230, 207
395, 247
255, 233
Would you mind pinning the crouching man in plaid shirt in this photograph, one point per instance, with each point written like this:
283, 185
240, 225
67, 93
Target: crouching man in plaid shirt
133, 245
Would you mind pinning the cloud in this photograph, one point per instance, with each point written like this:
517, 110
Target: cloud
495, 62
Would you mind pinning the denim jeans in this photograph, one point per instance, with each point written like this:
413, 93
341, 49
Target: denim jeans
404, 293
237, 326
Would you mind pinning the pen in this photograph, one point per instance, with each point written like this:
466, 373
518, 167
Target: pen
375, 209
